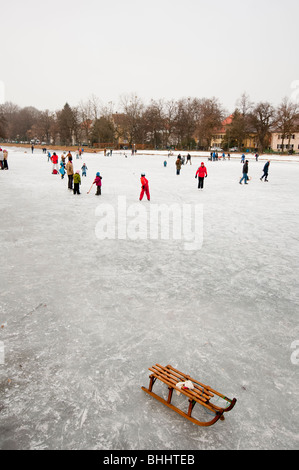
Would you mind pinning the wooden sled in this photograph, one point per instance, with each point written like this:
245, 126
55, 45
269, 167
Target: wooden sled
201, 394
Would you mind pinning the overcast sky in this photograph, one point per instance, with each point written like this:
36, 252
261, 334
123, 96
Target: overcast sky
58, 51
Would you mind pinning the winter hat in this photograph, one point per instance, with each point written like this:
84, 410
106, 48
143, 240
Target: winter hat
78, 172
98, 174
142, 174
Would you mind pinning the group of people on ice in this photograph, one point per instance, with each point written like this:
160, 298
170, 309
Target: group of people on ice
181, 161
245, 176
74, 178
215, 157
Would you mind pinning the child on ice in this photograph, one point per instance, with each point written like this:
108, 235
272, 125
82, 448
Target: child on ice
77, 181
62, 170
98, 183
54, 159
144, 187
84, 168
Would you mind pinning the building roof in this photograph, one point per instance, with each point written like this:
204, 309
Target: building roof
226, 122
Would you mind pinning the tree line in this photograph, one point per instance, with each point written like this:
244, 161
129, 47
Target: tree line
187, 123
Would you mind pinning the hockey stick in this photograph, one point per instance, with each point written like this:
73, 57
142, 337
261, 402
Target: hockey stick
90, 189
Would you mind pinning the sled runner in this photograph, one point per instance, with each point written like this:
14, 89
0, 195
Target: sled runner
195, 391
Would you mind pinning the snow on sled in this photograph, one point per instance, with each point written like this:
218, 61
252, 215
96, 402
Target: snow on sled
195, 391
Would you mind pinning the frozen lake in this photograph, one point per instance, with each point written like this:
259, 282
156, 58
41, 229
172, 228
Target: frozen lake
82, 319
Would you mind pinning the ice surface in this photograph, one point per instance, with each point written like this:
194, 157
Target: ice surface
82, 319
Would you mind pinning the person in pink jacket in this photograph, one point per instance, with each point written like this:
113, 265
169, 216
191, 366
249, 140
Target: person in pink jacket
201, 174
98, 183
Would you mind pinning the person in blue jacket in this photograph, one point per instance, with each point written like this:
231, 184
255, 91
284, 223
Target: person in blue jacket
266, 171
84, 168
62, 170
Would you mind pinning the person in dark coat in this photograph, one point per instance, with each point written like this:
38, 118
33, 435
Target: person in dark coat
245, 173
266, 171
178, 165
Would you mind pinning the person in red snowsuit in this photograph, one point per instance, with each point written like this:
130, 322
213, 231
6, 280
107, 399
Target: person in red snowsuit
201, 174
144, 188
54, 159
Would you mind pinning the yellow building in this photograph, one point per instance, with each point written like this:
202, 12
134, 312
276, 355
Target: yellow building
222, 135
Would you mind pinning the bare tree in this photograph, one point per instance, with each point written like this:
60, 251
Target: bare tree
95, 106
10, 111
286, 120
3, 125
153, 123
170, 117
209, 118
86, 118
244, 105
42, 128
132, 108
240, 128
262, 118
186, 121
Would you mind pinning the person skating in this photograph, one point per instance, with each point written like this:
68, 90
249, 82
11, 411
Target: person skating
84, 168
77, 181
98, 183
144, 188
1, 159
62, 170
5, 163
245, 173
63, 157
54, 159
189, 159
266, 171
178, 165
70, 172
201, 174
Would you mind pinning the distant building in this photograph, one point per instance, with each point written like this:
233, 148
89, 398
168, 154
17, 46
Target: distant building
220, 133
288, 143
